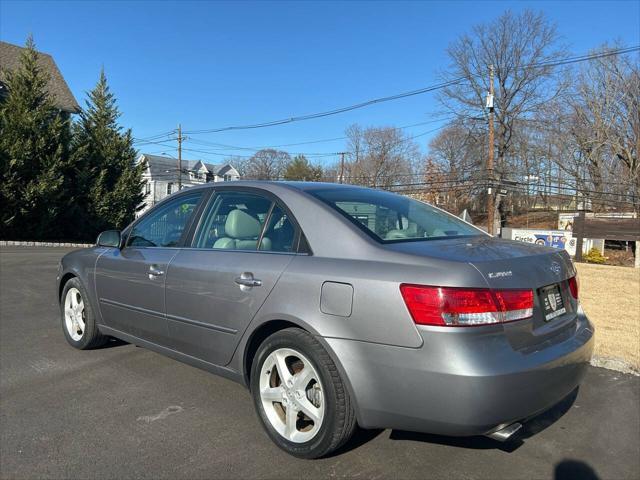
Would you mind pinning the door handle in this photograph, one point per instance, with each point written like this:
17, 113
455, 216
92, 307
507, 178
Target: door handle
154, 271
247, 280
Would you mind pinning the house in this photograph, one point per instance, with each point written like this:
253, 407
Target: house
161, 176
57, 87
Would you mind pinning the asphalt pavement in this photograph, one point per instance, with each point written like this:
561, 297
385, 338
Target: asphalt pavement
126, 412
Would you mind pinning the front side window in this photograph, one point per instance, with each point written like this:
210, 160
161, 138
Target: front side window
245, 221
390, 218
164, 226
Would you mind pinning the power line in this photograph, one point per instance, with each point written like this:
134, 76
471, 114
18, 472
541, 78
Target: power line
307, 154
325, 140
155, 137
398, 142
420, 91
331, 112
570, 60
209, 152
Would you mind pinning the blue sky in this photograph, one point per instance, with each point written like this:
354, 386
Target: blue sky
213, 64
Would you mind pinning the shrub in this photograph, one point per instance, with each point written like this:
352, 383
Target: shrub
594, 256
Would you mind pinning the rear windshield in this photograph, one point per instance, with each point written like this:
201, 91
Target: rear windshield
390, 218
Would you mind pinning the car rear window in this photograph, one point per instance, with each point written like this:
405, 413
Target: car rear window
390, 218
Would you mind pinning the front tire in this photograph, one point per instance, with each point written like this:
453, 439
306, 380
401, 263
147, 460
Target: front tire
78, 319
299, 396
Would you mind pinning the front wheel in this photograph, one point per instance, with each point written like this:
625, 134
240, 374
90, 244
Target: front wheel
78, 319
299, 396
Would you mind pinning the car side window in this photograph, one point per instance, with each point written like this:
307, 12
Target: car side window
164, 226
234, 221
241, 221
280, 233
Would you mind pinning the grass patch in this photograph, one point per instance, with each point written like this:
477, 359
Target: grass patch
611, 298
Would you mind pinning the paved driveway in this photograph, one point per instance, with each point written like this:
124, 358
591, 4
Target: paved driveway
123, 412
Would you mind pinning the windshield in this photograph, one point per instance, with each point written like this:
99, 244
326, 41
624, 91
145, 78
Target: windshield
389, 217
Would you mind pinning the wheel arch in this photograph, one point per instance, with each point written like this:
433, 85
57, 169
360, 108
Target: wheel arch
63, 281
259, 335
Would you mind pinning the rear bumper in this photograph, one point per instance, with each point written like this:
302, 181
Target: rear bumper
462, 382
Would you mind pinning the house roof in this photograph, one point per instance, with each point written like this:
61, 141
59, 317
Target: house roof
57, 87
158, 166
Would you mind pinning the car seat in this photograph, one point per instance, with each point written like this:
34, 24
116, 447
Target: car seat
241, 233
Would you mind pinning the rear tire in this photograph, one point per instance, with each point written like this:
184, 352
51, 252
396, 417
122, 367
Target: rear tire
78, 319
299, 396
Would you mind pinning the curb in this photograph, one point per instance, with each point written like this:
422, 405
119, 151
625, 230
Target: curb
615, 364
11, 243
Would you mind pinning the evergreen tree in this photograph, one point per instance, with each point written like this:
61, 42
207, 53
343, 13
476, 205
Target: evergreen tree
300, 169
34, 140
110, 181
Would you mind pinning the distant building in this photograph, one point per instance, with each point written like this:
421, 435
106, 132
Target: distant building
161, 176
57, 87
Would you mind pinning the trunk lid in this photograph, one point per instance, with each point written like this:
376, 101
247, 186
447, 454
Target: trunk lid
507, 264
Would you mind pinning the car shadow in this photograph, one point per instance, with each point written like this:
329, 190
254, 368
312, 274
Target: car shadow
472, 443
574, 470
542, 421
530, 427
112, 343
359, 438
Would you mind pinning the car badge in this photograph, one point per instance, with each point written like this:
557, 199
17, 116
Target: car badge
508, 273
555, 268
552, 302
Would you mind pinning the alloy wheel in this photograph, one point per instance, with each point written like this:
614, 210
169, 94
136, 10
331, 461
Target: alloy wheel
292, 395
74, 314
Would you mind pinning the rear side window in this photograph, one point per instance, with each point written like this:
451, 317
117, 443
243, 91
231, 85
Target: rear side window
279, 234
245, 221
391, 218
164, 226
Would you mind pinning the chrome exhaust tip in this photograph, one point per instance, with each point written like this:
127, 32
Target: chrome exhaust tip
505, 433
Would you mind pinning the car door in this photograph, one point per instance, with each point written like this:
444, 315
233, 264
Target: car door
130, 281
214, 289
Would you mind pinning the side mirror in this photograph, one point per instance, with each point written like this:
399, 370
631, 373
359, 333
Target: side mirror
109, 238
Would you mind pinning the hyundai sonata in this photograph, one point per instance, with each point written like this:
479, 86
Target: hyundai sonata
338, 306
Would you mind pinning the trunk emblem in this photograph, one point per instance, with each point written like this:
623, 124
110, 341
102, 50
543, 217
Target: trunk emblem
508, 273
555, 268
552, 302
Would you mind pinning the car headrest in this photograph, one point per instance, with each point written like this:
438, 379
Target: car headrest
240, 224
396, 234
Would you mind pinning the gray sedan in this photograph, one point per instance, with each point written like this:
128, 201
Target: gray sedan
338, 306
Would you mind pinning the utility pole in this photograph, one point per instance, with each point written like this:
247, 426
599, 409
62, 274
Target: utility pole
179, 157
341, 167
490, 192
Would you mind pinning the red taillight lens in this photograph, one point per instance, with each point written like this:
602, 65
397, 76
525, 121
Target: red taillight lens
574, 286
448, 306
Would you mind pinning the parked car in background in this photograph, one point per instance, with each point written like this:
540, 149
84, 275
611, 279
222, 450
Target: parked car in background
338, 306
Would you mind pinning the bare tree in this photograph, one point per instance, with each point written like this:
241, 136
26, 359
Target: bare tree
268, 164
239, 163
454, 159
595, 132
521, 48
380, 156
354, 134
606, 113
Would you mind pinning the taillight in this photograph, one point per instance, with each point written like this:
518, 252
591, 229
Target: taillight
574, 286
449, 306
